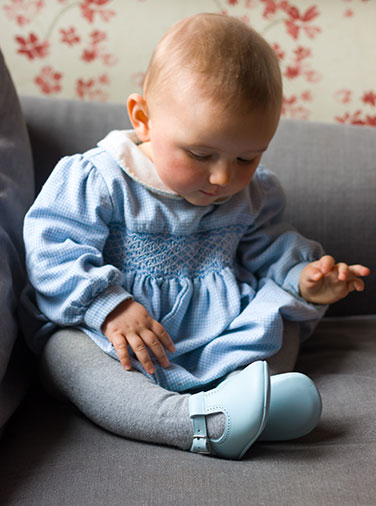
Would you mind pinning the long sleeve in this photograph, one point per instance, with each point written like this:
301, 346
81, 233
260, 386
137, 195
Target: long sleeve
272, 250
65, 232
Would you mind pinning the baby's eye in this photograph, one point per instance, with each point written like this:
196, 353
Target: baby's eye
244, 161
197, 156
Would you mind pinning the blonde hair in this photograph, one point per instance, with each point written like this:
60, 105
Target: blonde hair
231, 62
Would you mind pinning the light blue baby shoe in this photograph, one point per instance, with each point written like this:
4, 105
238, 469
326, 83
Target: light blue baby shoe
295, 407
245, 403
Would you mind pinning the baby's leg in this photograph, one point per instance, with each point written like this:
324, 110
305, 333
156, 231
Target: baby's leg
126, 403
285, 359
129, 404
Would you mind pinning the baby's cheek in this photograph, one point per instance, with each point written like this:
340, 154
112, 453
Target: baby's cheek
248, 174
182, 174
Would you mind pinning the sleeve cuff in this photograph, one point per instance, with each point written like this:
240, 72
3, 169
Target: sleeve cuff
103, 304
291, 283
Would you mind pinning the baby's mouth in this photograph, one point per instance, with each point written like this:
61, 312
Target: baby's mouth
209, 194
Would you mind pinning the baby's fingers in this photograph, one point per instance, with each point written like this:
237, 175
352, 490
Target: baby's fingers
359, 270
162, 335
343, 271
356, 284
121, 348
313, 276
325, 264
138, 346
351, 273
153, 343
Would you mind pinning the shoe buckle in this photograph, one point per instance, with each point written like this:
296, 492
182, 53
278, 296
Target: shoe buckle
201, 444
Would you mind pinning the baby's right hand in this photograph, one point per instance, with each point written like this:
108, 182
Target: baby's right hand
130, 324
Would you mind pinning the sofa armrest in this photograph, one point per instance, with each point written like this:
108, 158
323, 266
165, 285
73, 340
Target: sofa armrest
16, 194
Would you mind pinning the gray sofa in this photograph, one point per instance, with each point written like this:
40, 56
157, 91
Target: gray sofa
50, 454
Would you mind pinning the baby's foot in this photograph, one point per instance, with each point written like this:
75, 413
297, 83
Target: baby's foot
295, 407
244, 401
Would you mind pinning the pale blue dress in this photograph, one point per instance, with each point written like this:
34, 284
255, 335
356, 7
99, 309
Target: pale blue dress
219, 278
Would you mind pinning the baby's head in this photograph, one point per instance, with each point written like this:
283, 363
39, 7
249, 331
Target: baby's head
229, 62
211, 103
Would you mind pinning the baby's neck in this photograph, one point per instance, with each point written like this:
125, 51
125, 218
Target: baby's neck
146, 149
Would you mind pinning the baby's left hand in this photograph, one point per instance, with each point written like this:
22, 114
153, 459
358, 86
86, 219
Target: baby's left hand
325, 282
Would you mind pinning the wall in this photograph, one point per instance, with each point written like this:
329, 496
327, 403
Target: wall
99, 49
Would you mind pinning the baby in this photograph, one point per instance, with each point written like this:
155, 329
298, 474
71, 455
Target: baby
165, 248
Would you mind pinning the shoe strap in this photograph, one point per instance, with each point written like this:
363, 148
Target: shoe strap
200, 442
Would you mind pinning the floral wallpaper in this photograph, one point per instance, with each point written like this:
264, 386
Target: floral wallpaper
99, 49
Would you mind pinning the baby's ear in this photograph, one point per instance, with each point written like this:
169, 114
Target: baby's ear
139, 115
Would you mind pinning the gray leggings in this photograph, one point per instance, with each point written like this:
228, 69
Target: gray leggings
128, 403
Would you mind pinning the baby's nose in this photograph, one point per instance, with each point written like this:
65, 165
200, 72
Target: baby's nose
221, 174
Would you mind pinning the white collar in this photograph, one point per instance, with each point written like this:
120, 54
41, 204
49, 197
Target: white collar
123, 146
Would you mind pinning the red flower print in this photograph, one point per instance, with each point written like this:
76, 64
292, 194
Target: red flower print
104, 79
69, 36
343, 96
371, 121
298, 21
349, 13
96, 50
312, 76
89, 55
369, 98
83, 87
91, 89
90, 8
302, 52
292, 109
232, 2
32, 47
97, 37
357, 119
23, 11
292, 29
307, 96
109, 59
271, 8
292, 72
300, 67
279, 52
49, 80
353, 119
311, 13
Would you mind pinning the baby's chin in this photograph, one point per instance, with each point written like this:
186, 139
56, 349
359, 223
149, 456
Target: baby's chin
202, 200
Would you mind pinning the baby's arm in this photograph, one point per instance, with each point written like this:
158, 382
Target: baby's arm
325, 282
130, 324
65, 232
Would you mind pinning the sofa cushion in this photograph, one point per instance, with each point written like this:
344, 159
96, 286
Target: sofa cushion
16, 193
60, 127
52, 455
